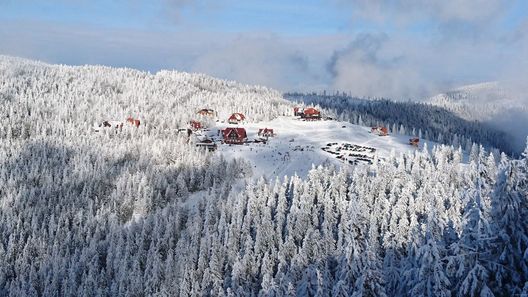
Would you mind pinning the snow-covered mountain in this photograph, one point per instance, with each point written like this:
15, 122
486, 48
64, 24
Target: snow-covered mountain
141, 210
480, 102
497, 104
167, 99
42, 101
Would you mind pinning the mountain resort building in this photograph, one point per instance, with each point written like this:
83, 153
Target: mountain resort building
311, 114
379, 130
236, 118
234, 135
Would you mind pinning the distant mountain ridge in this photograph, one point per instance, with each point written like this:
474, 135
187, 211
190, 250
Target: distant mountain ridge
479, 101
492, 103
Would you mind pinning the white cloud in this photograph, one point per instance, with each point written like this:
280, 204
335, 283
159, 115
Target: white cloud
394, 64
257, 58
264, 59
428, 46
373, 65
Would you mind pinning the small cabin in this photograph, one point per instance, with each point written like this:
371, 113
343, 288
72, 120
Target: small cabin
415, 141
236, 118
234, 135
206, 112
266, 133
311, 114
380, 131
207, 144
195, 125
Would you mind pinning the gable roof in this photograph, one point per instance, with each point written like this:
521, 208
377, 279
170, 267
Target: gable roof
237, 117
311, 111
240, 132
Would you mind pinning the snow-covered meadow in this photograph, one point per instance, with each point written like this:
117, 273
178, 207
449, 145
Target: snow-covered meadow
298, 145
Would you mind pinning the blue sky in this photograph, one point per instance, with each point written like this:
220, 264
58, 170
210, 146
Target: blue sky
292, 18
412, 48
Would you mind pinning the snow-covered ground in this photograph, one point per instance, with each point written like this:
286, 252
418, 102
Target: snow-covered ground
298, 145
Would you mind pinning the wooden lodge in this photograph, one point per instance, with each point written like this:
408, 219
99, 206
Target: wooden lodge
380, 131
265, 133
415, 141
311, 114
236, 118
234, 135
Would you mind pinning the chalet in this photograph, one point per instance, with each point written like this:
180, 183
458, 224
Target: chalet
195, 125
380, 131
311, 114
236, 118
206, 112
207, 144
234, 135
415, 141
266, 133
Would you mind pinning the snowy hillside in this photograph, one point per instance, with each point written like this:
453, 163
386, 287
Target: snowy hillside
420, 119
76, 97
300, 144
98, 170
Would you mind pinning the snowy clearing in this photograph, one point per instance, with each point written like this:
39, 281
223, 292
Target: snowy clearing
300, 144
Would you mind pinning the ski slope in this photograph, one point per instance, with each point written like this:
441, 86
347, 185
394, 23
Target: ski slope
298, 145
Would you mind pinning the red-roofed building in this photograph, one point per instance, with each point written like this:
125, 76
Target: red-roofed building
236, 118
311, 114
381, 131
234, 135
195, 125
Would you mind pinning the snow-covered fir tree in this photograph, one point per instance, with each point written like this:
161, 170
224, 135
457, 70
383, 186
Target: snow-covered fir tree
116, 214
